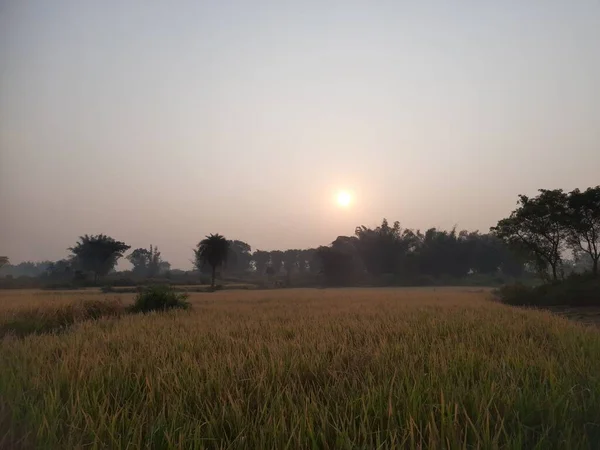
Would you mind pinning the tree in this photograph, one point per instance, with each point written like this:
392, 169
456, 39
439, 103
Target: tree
290, 263
3, 261
60, 270
147, 263
582, 222
238, 260
261, 261
337, 265
537, 226
212, 250
97, 253
276, 261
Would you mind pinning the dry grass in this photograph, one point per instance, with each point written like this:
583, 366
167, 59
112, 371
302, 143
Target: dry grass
306, 368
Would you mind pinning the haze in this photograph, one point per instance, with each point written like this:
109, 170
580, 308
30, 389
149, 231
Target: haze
160, 122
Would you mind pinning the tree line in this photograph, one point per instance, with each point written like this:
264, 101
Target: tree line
538, 237
548, 227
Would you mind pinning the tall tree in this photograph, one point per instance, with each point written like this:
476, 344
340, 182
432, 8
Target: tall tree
538, 226
98, 253
212, 250
583, 223
3, 261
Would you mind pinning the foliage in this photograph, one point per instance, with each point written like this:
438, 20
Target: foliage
537, 226
147, 262
3, 261
212, 250
239, 257
98, 253
552, 222
338, 266
577, 290
261, 260
303, 369
26, 268
159, 298
583, 224
276, 262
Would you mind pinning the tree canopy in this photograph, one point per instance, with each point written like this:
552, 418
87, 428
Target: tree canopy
97, 253
212, 250
548, 225
147, 262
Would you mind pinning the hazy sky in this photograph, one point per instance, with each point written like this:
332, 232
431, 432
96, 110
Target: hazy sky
160, 122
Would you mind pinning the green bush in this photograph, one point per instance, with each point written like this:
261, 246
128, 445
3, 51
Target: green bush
159, 298
577, 290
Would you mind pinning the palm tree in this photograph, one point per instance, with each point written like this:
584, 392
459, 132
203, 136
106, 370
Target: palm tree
212, 250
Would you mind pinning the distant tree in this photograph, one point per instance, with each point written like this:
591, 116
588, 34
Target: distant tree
238, 260
139, 258
60, 270
276, 261
386, 249
312, 260
147, 263
290, 263
164, 267
3, 261
537, 226
261, 261
337, 266
582, 223
97, 253
212, 250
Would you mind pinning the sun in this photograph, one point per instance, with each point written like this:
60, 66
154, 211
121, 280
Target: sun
344, 198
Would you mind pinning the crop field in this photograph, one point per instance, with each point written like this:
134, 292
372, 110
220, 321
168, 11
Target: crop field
298, 369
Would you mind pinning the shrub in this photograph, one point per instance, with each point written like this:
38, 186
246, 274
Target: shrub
159, 298
577, 290
49, 320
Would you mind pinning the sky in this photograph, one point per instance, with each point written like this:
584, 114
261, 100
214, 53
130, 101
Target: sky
158, 122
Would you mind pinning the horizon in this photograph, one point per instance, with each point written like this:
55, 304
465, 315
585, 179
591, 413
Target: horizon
158, 125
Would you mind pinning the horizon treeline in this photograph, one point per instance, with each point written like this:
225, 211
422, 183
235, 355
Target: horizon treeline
548, 236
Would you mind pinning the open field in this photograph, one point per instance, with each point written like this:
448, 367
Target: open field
303, 368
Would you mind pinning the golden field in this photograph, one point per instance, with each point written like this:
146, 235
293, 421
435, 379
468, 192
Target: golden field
299, 369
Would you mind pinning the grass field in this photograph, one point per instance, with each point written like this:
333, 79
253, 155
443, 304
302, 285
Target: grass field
302, 369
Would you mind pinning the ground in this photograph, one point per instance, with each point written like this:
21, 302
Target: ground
302, 368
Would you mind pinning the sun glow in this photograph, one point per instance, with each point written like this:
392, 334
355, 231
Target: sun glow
344, 198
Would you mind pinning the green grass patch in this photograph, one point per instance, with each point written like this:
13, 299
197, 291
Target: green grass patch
48, 319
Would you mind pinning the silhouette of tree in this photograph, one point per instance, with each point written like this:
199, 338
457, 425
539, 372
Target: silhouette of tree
97, 254
239, 257
147, 263
3, 261
261, 261
212, 250
337, 266
538, 226
583, 223
276, 261
290, 263
60, 270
